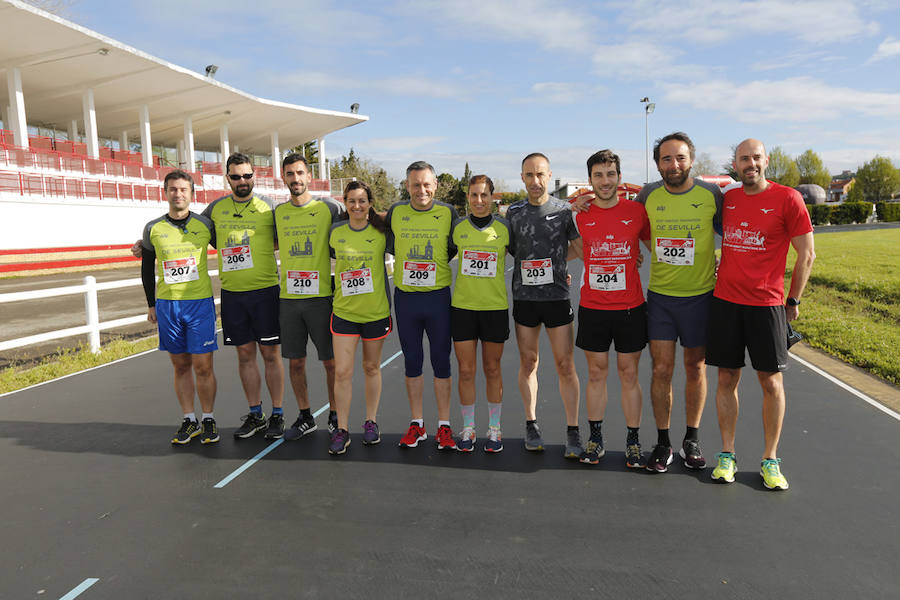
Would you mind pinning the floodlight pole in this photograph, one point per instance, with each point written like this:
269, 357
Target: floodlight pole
648, 108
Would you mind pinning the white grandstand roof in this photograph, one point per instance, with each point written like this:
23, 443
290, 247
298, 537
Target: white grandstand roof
59, 60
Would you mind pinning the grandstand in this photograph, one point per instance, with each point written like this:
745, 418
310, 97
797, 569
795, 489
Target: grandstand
91, 126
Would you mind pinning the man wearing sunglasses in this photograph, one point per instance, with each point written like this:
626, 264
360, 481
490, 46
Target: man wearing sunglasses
245, 232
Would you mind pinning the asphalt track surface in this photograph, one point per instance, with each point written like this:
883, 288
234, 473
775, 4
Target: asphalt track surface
98, 504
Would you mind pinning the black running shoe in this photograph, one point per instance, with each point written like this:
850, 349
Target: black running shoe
209, 433
253, 422
692, 454
660, 459
300, 428
276, 427
594, 451
332, 421
188, 430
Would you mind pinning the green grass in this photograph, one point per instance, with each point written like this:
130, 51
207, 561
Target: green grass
70, 361
851, 306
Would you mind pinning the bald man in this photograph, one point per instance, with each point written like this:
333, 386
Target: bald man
760, 220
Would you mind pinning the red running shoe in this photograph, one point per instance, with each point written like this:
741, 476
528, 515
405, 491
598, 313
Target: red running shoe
414, 435
445, 439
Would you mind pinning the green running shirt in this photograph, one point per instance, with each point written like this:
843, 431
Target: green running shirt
302, 234
245, 233
420, 243
481, 268
182, 272
362, 293
682, 237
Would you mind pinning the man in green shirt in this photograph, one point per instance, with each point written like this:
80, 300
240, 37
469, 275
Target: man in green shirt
685, 213
302, 227
245, 233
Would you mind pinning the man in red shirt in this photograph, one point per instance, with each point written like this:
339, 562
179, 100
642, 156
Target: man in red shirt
748, 310
612, 307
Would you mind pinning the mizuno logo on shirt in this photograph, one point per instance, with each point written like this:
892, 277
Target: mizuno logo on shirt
436, 216
730, 207
312, 214
370, 241
624, 222
696, 205
591, 224
766, 210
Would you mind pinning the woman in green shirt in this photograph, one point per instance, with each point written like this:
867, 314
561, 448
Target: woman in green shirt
361, 308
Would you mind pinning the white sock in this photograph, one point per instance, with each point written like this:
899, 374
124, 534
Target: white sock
419, 422
207, 416
442, 423
191, 416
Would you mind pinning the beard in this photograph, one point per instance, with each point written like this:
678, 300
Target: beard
243, 189
676, 179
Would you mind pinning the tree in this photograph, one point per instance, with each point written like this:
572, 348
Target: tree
310, 151
511, 197
704, 165
782, 168
728, 167
383, 187
446, 188
855, 194
877, 179
812, 169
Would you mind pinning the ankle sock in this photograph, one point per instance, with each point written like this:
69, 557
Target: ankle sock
632, 437
663, 437
256, 410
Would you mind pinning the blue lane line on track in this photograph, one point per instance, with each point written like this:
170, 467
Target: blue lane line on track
81, 587
276, 443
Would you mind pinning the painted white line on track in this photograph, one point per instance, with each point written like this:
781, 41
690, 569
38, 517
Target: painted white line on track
234, 474
849, 388
81, 587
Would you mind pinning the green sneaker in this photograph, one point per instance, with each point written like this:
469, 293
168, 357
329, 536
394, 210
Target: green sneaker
726, 468
770, 469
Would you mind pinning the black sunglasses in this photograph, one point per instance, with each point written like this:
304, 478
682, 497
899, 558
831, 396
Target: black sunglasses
235, 177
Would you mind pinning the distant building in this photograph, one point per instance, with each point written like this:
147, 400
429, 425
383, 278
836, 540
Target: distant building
840, 186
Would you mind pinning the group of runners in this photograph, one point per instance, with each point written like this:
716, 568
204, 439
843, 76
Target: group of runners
716, 310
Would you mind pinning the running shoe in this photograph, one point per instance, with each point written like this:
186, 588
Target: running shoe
275, 430
332, 421
414, 435
370, 433
533, 440
770, 469
209, 433
494, 442
692, 454
466, 441
633, 458
340, 439
445, 439
253, 422
188, 430
573, 444
594, 451
660, 459
300, 428
726, 467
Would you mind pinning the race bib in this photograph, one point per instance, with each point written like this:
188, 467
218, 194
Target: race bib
180, 270
237, 258
302, 283
537, 272
606, 278
479, 264
419, 274
675, 251
357, 282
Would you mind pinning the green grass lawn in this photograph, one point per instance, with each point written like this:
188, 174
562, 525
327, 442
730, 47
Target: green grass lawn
851, 306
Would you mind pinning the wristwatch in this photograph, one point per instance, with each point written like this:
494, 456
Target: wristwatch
793, 302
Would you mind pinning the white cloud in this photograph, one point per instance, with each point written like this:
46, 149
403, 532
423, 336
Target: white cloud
790, 100
546, 23
889, 48
642, 61
813, 21
401, 85
556, 92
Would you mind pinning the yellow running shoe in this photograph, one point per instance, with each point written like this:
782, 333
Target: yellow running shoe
770, 469
726, 467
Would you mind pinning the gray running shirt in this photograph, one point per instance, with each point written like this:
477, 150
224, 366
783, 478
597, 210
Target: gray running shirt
541, 232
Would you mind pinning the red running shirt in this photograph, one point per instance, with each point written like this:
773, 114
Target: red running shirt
610, 238
757, 232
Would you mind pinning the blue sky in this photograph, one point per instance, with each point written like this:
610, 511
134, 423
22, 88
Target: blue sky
489, 81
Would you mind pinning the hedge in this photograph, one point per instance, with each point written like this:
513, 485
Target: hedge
851, 212
888, 211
